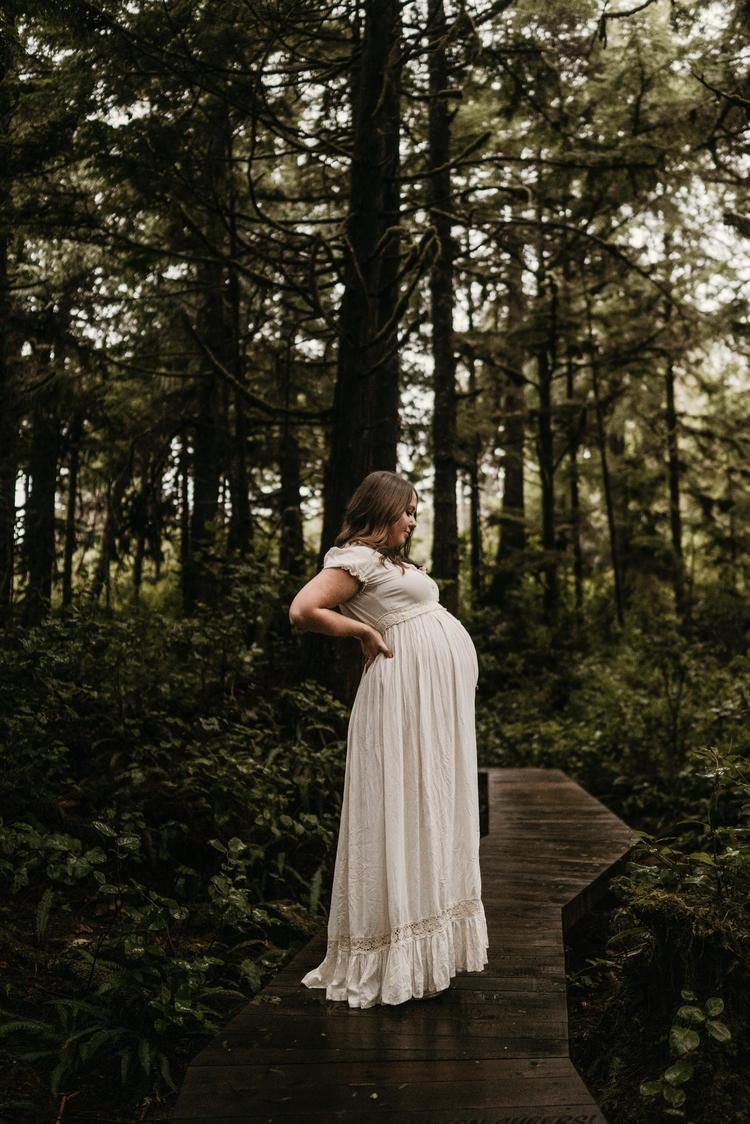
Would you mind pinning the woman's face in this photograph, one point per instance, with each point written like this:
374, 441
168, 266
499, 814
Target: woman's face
401, 530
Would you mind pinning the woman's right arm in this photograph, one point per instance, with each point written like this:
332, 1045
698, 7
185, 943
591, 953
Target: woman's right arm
312, 610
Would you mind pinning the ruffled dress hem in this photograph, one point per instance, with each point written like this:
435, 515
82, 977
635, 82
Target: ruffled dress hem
424, 957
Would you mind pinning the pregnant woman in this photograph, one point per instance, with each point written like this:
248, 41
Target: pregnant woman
406, 912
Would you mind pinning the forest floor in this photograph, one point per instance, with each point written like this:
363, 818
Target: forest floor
612, 1065
613, 1051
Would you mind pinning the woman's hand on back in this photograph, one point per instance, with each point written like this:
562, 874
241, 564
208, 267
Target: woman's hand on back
372, 645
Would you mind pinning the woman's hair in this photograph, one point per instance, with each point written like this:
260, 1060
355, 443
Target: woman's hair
378, 502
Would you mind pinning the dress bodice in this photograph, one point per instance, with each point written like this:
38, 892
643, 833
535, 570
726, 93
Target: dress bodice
386, 596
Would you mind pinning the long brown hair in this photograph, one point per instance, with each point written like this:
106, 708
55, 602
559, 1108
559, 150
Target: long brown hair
380, 499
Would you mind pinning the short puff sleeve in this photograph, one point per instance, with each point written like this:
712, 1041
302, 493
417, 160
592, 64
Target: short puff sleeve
355, 558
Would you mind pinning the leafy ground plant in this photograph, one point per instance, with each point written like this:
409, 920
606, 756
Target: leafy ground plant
690, 1028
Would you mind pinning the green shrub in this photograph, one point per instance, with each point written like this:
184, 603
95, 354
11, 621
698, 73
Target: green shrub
167, 824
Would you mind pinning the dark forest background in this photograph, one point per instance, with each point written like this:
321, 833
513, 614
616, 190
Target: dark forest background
251, 250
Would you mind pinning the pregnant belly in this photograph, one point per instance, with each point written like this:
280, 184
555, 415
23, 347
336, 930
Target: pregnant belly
426, 635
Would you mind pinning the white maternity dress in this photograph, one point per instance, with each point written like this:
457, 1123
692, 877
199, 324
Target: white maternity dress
406, 912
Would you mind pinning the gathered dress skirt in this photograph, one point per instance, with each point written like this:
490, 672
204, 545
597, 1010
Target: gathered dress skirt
406, 912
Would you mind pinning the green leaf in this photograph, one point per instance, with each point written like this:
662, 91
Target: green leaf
718, 1030
107, 1034
249, 970
144, 1055
714, 1005
43, 912
57, 1075
682, 1040
166, 1072
633, 930
675, 1097
690, 1014
103, 828
702, 857
125, 1059
681, 1071
36, 1026
650, 1088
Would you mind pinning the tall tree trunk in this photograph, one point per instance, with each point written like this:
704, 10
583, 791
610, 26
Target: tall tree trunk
476, 551
8, 394
112, 518
673, 472
183, 490
545, 438
445, 538
512, 537
575, 501
545, 451
364, 432
206, 478
39, 522
291, 541
140, 521
475, 494
601, 440
365, 424
673, 465
383, 384
156, 515
212, 337
241, 526
734, 550
74, 446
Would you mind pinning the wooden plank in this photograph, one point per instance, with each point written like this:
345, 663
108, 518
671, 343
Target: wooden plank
584, 1113
282, 1045
491, 1049
273, 1023
467, 1085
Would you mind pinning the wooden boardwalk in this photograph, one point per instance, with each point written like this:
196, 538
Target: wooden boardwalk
492, 1049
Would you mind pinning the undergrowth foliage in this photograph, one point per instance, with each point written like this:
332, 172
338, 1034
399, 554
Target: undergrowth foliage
166, 825
170, 806
657, 726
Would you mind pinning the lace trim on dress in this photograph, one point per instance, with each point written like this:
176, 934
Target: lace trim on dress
332, 559
352, 568
462, 910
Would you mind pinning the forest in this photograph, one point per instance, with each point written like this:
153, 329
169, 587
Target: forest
251, 251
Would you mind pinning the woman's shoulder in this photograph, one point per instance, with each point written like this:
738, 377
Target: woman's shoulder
364, 554
364, 550
352, 544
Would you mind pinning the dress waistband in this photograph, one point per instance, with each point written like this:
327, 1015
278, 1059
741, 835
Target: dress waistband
404, 614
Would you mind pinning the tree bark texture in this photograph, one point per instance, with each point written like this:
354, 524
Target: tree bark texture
574, 490
241, 525
213, 332
601, 440
512, 538
8, 395
475, 496
445, 538
365, 408
75, 435
673, 473
39, 522
291, 540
